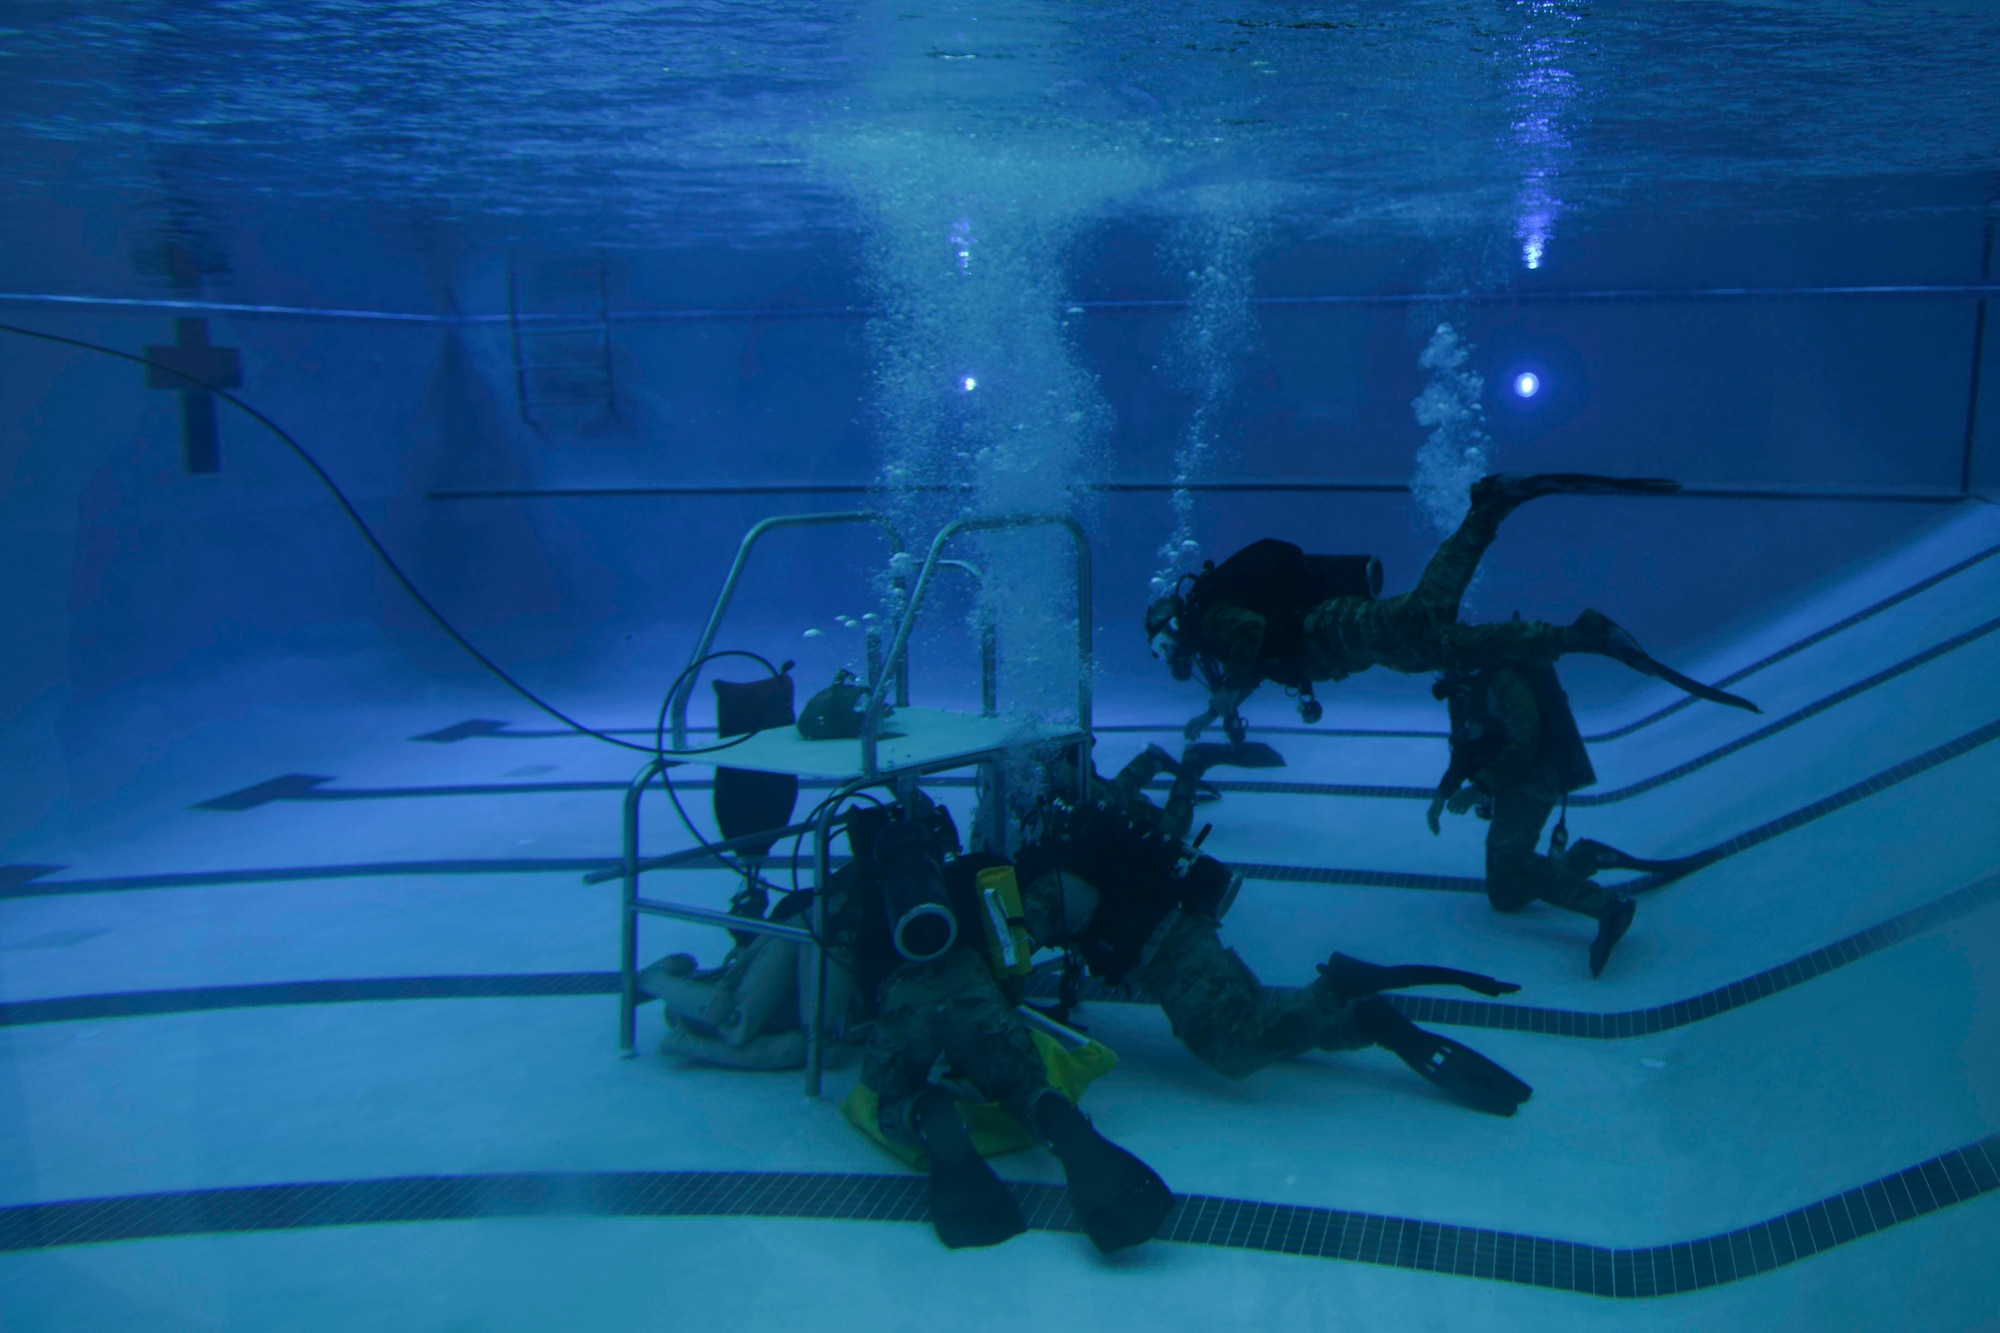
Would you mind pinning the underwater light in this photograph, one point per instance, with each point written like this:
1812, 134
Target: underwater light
968, 384
1527, 384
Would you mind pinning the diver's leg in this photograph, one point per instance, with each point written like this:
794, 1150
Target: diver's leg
1229, 1020
1449, 571
896, 1063
919, 1019
1148, 764
1516, 874
772, 1051
1523, 874
766, 993
1535, 642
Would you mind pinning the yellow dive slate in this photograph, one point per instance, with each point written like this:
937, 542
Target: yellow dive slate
1008, 947
993, 1131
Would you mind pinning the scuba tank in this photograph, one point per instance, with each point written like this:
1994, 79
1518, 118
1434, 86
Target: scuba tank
1280, 583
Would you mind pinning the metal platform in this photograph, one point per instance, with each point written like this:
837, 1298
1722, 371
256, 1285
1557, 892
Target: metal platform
897, 745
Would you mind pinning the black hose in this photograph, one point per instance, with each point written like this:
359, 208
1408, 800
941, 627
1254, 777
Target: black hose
375, 544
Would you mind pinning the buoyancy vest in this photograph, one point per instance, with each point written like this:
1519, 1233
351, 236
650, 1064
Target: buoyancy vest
1477, 735
1280, 583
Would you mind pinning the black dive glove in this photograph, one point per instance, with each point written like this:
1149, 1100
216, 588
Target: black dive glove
1351, 978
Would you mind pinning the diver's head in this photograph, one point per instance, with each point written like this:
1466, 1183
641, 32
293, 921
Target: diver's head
1163, 634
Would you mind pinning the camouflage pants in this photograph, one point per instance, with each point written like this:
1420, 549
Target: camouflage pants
1418, 631
1230, 1021
950, 1007
1127, 792
1516, 874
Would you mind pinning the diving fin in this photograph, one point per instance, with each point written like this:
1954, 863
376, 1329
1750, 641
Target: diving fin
1351, 979
1461, 1073
1611, 928
1523, 486
1588, 856
1618, 644
969, 1204
1118, 1200
1204, 755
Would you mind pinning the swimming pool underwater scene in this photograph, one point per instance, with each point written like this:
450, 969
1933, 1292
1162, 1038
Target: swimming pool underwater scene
866, 666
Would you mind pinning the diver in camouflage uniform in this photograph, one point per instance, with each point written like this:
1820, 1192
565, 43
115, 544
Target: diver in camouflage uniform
1516, 753
939, 1006
1271, 612
1111, 880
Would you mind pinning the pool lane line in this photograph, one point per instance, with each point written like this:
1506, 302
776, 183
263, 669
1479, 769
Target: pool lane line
32, 881
1042, 984
1624, 1273
485, 728
302, 788
1620, 1024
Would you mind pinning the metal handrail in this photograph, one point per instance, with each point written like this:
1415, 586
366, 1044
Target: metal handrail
871, 723
989, 657
678, 706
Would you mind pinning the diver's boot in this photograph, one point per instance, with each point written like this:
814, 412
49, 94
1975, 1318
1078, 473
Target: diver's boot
1461, 1073
1351, 979
969, 1204
1601, 635
1611, 928
1517, 488
1118, 1200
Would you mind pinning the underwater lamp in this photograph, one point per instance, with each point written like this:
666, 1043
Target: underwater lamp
1527, 384
968, 384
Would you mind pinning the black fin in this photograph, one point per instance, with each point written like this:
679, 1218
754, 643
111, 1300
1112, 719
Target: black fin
1461, 1073
1611, 928
1118, 1200
970, 1206
1531, 485
1351, 978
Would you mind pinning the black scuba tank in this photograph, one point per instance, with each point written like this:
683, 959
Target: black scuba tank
1280, 583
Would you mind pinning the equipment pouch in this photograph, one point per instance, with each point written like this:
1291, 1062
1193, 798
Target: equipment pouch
1009, 947
836, 712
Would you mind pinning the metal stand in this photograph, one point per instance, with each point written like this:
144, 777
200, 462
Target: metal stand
936, 742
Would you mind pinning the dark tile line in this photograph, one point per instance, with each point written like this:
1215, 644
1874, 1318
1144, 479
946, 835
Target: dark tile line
193, 879
1962, 902
482, 727
1708, 856
1041, 985
358, 990
1699, 762
1940, 1182
31, 881
305, 787
1818, 636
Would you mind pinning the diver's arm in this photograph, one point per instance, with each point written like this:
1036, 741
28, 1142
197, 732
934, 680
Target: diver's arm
1235, 638
1448, 787
1222, 705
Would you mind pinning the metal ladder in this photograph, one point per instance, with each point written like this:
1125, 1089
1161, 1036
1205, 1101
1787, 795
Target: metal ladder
562, 357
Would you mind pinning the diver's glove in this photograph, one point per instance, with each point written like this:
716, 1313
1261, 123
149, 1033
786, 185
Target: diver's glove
1459, 1072
1351, 979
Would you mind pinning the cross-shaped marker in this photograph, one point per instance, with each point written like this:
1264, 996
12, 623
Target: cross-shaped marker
193, 367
